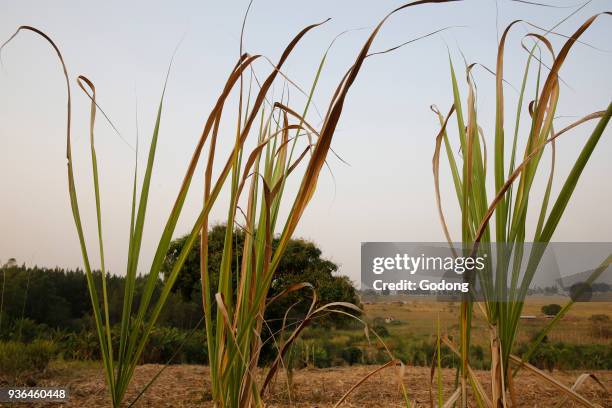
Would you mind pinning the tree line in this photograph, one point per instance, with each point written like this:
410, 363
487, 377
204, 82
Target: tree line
58, 298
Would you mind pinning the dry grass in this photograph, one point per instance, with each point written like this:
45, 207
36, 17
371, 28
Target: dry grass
419, 318
189, 386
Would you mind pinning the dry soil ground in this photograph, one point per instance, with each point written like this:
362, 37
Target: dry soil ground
188, 386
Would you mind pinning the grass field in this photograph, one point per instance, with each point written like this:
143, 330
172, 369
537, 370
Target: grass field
418, 318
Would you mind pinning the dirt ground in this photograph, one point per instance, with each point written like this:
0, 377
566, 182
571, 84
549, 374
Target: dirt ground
189, 386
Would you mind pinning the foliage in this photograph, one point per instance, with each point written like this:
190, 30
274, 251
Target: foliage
235, 328
81, 345
503, 284
234, 335
321, 349
171, 345
55, 297
135, 325
564, 356
40, 300
19, 360
551, 309
28, 314
300, 263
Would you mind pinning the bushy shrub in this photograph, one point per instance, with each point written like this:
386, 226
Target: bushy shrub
320, 357
551, 310
163, 343
565, 356
352, 355
24, 330
79, 346
18, 360
194, 350
168, 344
546, 357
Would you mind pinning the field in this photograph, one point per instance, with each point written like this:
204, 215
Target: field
189, 386
419, 319
408, 327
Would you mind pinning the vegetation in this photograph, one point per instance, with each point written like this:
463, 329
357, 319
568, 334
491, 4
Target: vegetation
564, 356
301, 262
601, 326
57, 298
19, 360
551, 310
234, 332
321, 349
52, 304
504, 287
266, 298
409, 335
235, 328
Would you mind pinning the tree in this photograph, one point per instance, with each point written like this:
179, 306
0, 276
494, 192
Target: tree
551, 310
301, 262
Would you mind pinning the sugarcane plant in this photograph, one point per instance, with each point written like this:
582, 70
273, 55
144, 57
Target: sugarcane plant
137, 321
504, 284
234, 327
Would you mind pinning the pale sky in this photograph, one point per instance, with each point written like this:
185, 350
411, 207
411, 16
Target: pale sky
386, 133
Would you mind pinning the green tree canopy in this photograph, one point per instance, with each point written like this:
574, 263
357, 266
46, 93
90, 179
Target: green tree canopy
551, 310
302, 262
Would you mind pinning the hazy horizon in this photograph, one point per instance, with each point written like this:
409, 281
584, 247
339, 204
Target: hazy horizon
386, 133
